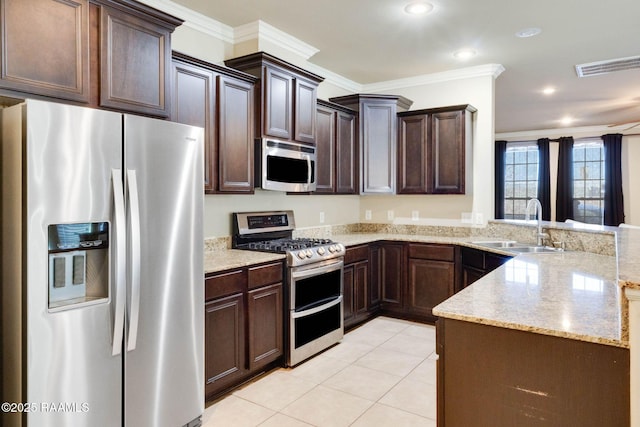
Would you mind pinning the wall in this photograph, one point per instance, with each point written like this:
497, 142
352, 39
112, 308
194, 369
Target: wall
631, 178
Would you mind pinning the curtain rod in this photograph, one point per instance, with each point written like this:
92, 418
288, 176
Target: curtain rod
624, 134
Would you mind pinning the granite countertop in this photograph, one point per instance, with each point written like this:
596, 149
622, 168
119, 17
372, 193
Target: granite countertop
571, 295
575, 294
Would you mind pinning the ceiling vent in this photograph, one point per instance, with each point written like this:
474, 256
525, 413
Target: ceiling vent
610, 66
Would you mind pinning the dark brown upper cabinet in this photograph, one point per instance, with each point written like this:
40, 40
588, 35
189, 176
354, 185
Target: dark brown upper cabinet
377, 139
112, 54
286, 101
221, 100
434, 150
135, 57
45, 48
337, 149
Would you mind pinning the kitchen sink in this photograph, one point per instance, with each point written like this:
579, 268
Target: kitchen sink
518, 247
536, 249
501, 244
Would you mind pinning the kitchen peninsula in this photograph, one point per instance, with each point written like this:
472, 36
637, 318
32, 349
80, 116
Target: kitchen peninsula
555, 317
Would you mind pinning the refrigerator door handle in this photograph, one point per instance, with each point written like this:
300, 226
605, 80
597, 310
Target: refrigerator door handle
120, 254
134, 266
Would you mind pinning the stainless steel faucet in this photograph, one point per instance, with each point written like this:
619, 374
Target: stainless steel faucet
537, 210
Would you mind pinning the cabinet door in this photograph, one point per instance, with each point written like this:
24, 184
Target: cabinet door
224, 342
325, 150
305, 111
193, 103
413, 161
346, 166
235, 136
391, 261
265, 325
470, 275
277, 108
429, 283
375, 279
135, 62
447, 153
378, 125
360, 284
45, 48
348, 278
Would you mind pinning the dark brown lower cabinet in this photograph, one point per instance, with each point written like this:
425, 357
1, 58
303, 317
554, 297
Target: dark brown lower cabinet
243, 325
356, 285
391, 276
491, 376
224, 343
476, 263
431, 278
265, 325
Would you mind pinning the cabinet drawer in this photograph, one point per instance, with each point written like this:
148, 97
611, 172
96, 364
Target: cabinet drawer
224, 284
434, 252
265, 275
356, 253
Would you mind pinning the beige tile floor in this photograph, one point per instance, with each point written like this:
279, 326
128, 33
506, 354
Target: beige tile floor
381, 374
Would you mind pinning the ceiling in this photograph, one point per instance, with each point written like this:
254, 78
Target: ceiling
370, 41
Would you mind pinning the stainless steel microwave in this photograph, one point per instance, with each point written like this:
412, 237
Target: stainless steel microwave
285, 166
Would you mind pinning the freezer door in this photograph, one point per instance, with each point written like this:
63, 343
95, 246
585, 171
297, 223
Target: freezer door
164, 360
71, 373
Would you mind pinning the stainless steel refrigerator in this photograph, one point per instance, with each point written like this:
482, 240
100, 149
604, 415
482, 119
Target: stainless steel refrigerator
102, 268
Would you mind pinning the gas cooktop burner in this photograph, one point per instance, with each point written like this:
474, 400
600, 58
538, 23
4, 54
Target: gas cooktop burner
273, 232
285, 245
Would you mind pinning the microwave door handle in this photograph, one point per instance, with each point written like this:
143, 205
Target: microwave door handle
308, 169
120, 278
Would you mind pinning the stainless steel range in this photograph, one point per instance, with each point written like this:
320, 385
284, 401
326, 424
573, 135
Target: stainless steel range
313, 292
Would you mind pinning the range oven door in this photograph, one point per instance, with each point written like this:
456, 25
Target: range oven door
315, 309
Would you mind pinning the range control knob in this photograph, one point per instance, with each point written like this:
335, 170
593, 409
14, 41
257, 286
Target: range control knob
321, 250
302, 254
332, 248
309, 253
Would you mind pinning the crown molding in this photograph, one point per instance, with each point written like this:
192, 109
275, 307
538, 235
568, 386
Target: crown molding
194, 20
262, 31
493, 70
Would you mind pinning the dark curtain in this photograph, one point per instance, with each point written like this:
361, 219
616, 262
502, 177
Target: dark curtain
564, 196
501, 149
544, 178
613, 200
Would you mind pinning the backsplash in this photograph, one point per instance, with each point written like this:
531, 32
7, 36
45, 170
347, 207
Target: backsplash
593, 241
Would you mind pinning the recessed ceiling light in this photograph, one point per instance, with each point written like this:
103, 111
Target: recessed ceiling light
464, 54
418, 8
566, 120
528, 32
549, 90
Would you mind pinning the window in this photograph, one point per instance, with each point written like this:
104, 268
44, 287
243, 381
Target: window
521, 178
588, 181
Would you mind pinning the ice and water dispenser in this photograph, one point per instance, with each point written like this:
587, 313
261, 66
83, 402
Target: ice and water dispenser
78, 264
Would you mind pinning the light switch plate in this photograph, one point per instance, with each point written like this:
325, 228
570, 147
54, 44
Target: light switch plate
415, 215
321, 217
390, 215
367, 214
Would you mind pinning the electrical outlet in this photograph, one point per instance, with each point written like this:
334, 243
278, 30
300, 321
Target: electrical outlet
415, 215
390, 215
367, 214
479, 218
321, 217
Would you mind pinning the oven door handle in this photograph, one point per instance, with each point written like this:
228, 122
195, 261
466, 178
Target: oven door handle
298, 314
327, 268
